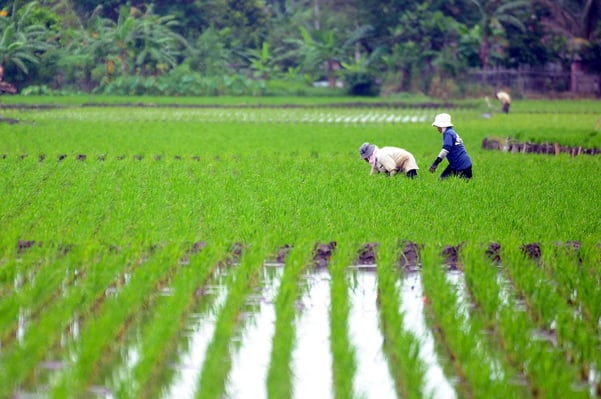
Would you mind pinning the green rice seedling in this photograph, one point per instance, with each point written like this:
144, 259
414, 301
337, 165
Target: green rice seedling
279, 375
159, 335
42, 338
112, 322
537, 355
478, 368
483, 277
343, 355
569, 269
38, 283
400, 346
556, 321
218, 357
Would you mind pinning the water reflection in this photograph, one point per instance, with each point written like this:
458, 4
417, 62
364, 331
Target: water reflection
436, 384
189, 367
311, 359
251, 361
457, 279
372, 379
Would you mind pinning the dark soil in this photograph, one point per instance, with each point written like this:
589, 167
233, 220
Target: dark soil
532, 250
410, 257
10, 121
450, 255
24, 245
322, 252
512, 145
493, 252
100, 157
367, 254
194, 249
235, 252
283, 253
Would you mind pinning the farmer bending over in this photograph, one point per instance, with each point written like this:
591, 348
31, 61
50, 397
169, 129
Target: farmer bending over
460, 163
389, 160
505, 99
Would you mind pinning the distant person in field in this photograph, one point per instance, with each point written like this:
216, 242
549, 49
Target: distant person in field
389, 160
460, 163
505, 99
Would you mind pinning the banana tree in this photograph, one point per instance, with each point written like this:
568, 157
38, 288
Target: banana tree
322, 47
494, 15
577, 21
21, 43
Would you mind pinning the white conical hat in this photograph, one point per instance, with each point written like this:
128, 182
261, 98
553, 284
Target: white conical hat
442, 120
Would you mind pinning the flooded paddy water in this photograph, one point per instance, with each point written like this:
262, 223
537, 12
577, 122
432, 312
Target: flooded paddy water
311, 358
311, 361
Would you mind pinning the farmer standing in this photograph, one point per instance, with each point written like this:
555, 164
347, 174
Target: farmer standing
505, 99
460, 163
389, 160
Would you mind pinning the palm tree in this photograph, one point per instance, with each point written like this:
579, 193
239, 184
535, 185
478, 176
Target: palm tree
575, 20
20, 42
494, 14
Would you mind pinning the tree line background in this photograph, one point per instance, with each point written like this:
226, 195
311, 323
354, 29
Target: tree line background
263, 47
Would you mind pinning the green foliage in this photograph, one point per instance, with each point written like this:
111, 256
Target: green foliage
494, 17
182, 82
22, 39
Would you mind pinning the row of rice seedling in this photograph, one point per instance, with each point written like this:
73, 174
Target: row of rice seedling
113, 319
400, 346
413, 302
433, 298
253, 346
280, 377
42, 337
470, 357
514, 327
571, 267
217, 364
344, 363
575, 343
181, 378
167, 116
159, 335
36, 285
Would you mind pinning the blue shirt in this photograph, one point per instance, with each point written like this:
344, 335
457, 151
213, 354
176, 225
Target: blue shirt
457, 156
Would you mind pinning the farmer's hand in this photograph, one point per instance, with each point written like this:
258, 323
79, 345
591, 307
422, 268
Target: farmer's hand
435, 164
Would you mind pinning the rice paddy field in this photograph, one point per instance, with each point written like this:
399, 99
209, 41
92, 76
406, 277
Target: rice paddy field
239, 248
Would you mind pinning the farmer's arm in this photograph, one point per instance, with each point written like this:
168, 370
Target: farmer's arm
373, 169
446, 147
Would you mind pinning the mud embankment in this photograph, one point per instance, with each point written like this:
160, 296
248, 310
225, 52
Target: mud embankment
515, 146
